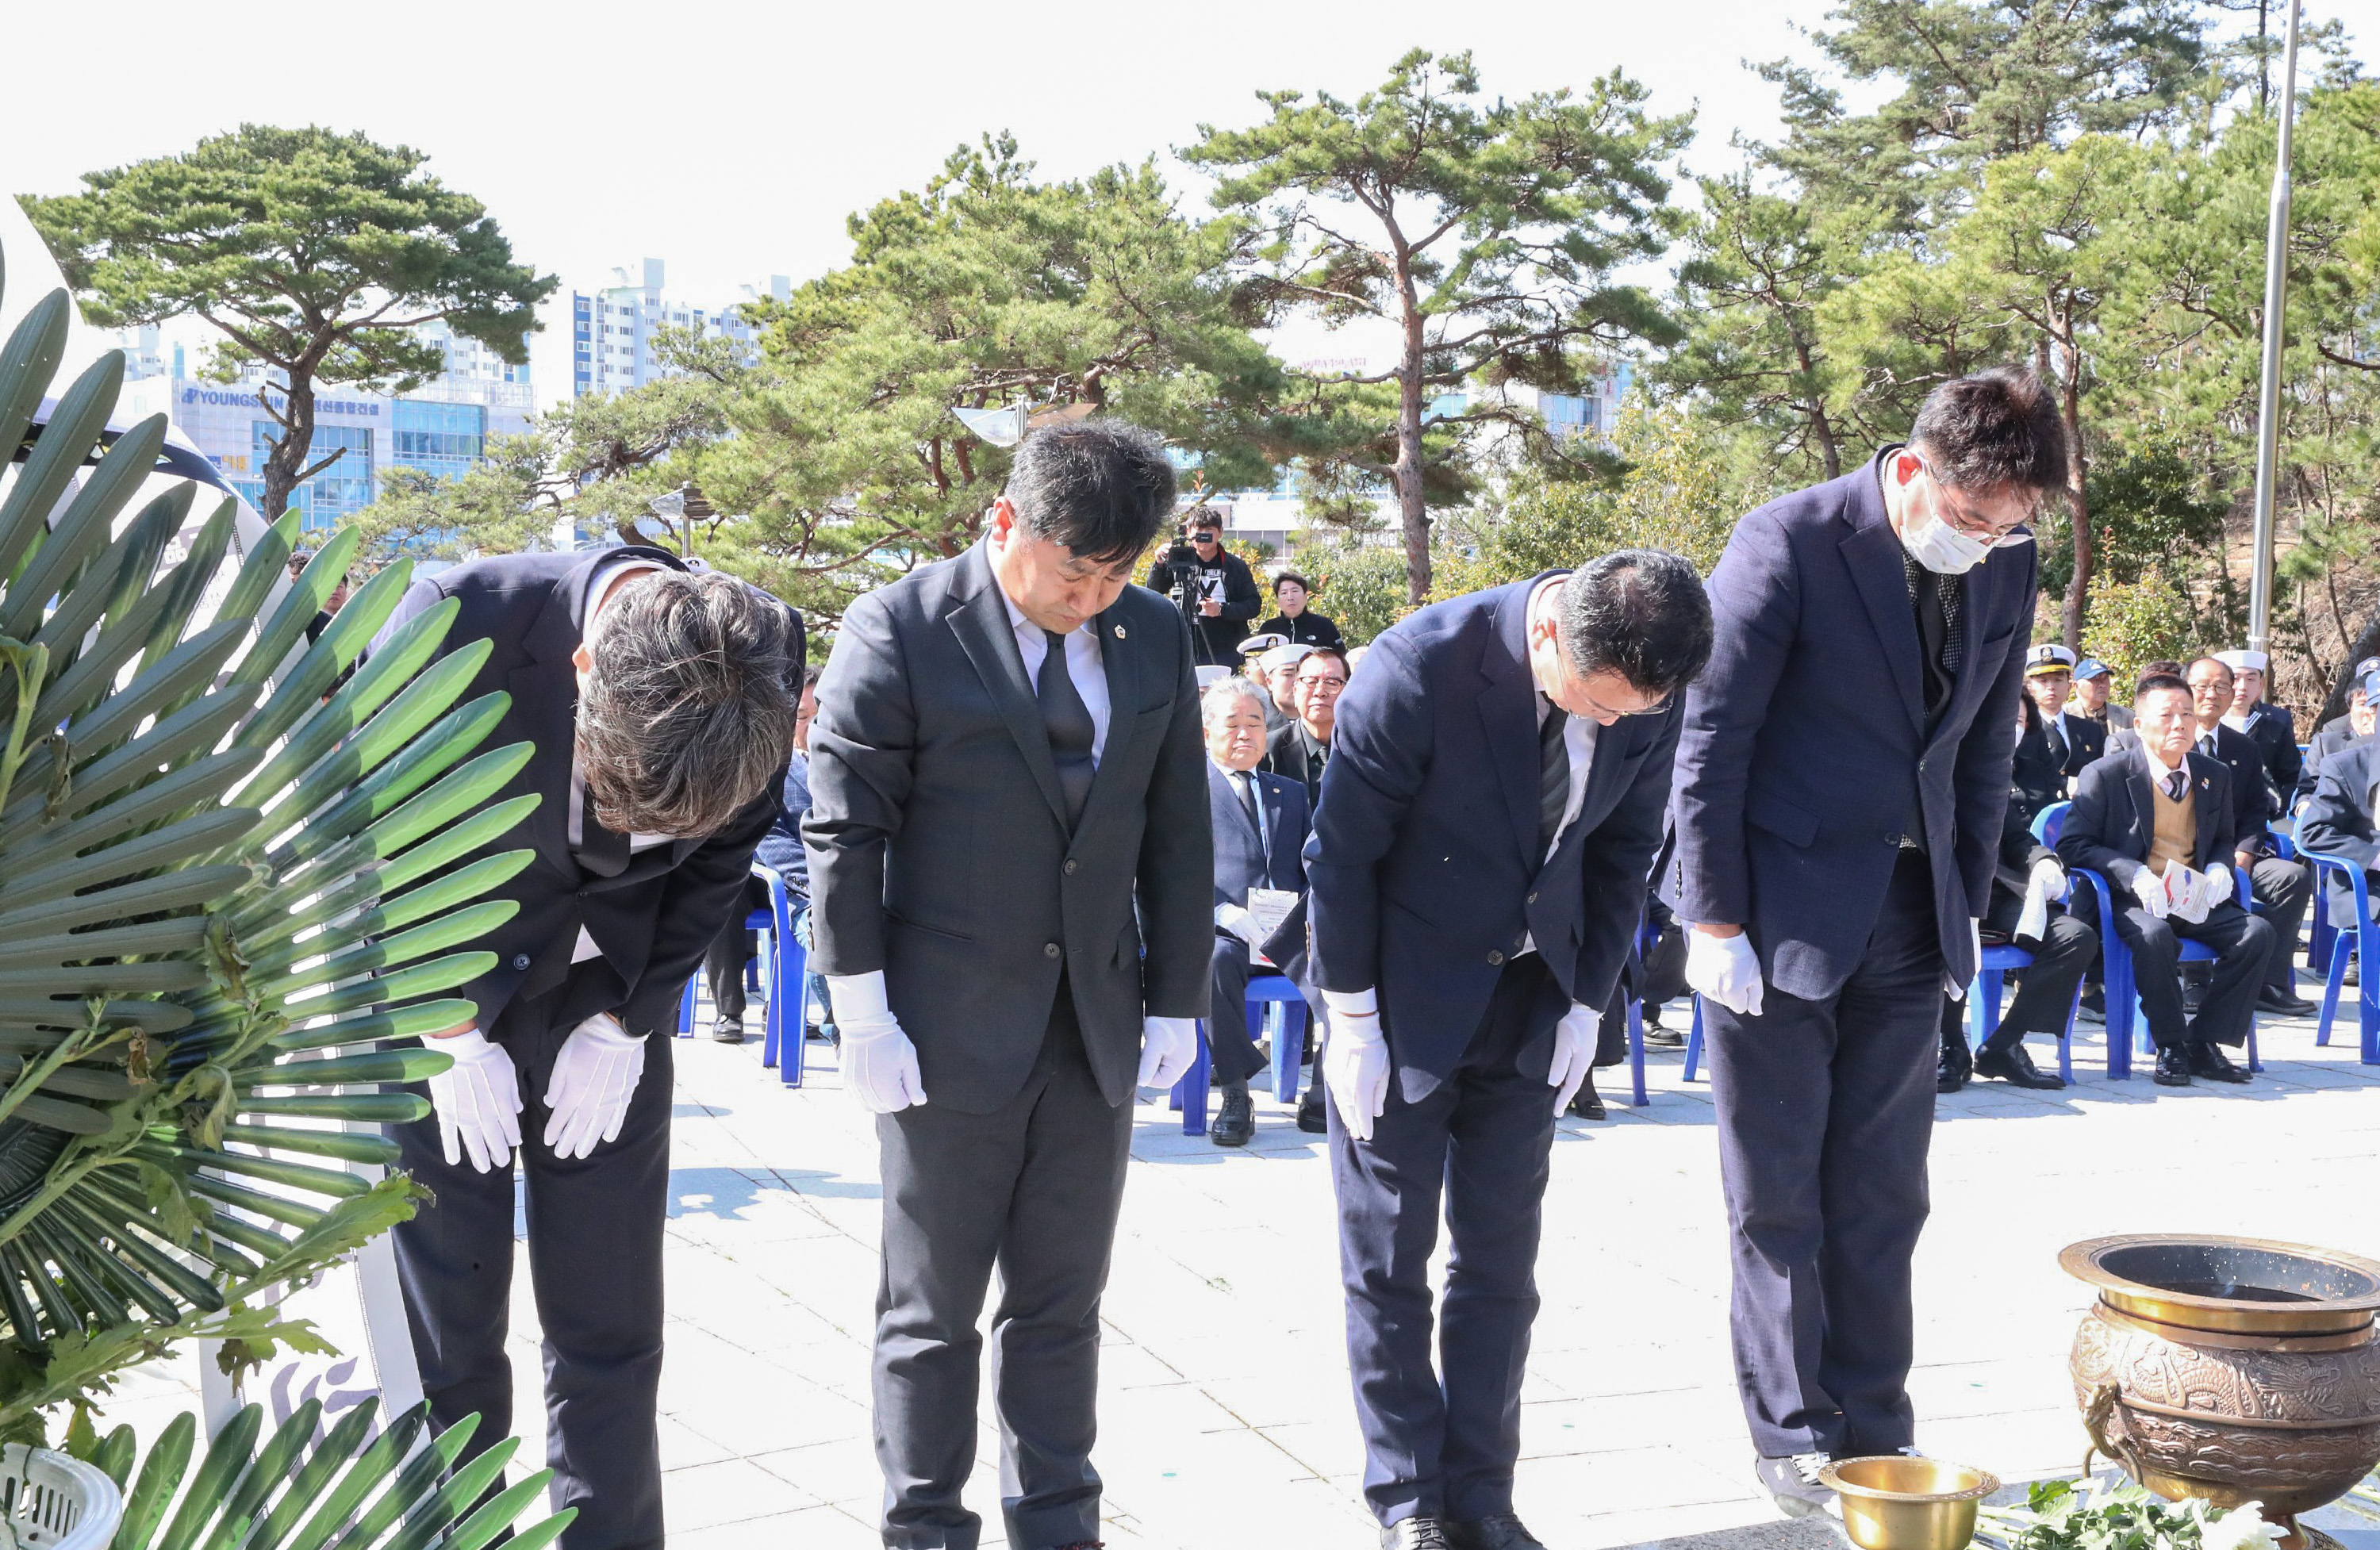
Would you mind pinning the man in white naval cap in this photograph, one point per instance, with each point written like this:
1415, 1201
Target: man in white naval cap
2049, 683
1253, 651
2274, 734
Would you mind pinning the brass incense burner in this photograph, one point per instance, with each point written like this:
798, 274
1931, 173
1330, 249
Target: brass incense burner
1894, 1502
2230, 1369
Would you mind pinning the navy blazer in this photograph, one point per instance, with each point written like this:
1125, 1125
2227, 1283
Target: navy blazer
1425, 864
1805, 754
2113, 821
2337, 819
1240, 863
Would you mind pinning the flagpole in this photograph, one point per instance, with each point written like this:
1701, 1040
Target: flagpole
2268, 397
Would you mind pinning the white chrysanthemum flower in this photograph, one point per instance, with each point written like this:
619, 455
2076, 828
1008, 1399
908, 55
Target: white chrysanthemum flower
2242, 1528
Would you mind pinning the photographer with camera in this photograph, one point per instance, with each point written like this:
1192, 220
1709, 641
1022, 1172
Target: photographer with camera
1214, 589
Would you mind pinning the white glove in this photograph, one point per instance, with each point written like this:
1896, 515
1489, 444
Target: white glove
1976, 954
1236, 919
2149, 888
1726, 970
1574, 1041
476, 1100
594, 1076
1168, 1046
879, 1064
1356, 1059
2052, 878
2220, 887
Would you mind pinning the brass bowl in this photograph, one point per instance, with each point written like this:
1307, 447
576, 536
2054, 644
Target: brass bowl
2246, 1286
1895, 1502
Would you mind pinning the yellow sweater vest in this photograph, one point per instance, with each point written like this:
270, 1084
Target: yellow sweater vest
2177, 826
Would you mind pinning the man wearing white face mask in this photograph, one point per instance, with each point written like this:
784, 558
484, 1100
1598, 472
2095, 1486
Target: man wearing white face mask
1841, 781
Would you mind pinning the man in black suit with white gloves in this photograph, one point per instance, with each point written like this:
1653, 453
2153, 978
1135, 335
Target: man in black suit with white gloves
1489, 818
1006, 762
662, 706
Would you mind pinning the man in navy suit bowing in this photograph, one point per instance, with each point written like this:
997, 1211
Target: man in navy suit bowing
1842, 780
1489, 818
1261, 829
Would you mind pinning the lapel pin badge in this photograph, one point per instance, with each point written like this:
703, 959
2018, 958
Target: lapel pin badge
1119, 629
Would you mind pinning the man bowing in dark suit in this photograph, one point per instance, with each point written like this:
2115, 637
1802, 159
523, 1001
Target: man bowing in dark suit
1260, 827
1005, 761
1489, 818
1842, 782
662, 706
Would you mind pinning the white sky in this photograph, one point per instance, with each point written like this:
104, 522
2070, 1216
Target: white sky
731, 137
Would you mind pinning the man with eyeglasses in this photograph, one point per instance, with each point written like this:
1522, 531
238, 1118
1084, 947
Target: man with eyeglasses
1221, 590
1300, 749
1840, 785
1489, 818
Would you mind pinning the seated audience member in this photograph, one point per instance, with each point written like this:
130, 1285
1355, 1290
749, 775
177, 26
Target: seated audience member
1252, 655
780, 850
2063, 948
1355, 658
2146, 821
2092, 681
1260, 823
1280, 671
1300, 749
2282, 886
2363, 717
1654, 971
2048, 682
2267, 725
1290, 595
2124, 740
2337, 819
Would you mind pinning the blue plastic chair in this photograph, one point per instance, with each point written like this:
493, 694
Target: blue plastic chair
2359, 937
784, 983
1265, 992
1694, 1042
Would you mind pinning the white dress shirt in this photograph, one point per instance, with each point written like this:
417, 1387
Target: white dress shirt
1082, 666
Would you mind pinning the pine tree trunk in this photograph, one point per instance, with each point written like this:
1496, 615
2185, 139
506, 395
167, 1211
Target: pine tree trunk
2079, 506
1413, 514
287, 459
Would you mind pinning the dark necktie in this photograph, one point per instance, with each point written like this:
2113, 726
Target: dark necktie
600, 850
1247, 789
1068, 722
1553, 778
2056, 737
2175, 782
2206, 745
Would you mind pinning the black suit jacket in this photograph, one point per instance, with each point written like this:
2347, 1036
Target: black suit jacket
2113, 821
1425, 864
2250, 803
655, 919
2336, 734
2275, 733
2086, 741
938, 841
2337, 819
1291, 752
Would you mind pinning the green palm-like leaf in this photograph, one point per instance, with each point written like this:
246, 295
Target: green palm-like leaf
236, 889
350, 1489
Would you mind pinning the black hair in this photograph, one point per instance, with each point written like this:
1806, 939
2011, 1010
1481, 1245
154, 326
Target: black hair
1641, 613
2156, 682
1203, 516
1326, 651
1998, 429
1100, 487
1291, 576
2160, 670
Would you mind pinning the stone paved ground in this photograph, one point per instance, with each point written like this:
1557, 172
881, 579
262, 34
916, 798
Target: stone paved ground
1226, 1417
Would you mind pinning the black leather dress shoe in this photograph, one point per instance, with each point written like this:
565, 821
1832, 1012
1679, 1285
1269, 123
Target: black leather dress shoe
2282, 1004
1310, 1118
1500, 1531
2173, 1068
2213, 1064
1957, 1064
1416, 1534
2015, 1067
728, 1031
1659, 1037
1237, 1121
1587, 1104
